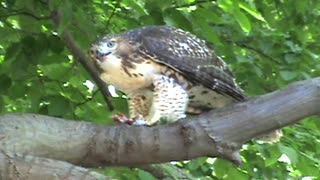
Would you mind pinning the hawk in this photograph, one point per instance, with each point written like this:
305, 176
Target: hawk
166, 73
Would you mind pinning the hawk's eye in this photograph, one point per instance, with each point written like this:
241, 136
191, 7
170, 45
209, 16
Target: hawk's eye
111, 44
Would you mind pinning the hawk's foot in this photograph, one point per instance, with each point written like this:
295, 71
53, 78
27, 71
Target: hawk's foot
123, 119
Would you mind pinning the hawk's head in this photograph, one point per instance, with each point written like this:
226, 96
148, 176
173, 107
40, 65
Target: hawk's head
104, 53
121, 64
106, 46
110, 51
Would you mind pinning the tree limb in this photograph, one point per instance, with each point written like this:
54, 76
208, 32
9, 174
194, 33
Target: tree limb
219, 133
18, 166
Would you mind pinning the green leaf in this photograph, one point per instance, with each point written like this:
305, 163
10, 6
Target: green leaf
8, 35
288, 75
302, 6
290, 152
143, 175
17, 90
162, 5
54, 4
66, 8
55, 44
12, 51
270, 153
52, 88
307, 167
56, 71
221, 168
5, 83
30, 6
74, 94
204, 29
253, 12
35, 104
10, 3
53, 59
290, 58
30, 24
58, 106
95, 112
226, 5
176, 18
137, 6
172, 171
237, 174
77, 81
243, 21
34, 49
194, 164
1, 104
121, 104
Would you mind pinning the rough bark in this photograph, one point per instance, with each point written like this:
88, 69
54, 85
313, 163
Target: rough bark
219, 133
16, 166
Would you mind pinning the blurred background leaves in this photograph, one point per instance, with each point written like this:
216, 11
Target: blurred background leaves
269, 44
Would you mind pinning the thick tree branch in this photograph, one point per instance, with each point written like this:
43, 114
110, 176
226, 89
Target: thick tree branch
17, 166
219, 133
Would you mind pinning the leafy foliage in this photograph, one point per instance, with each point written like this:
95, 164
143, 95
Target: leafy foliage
269, 44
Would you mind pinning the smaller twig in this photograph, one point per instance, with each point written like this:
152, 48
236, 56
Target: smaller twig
88, 99
26, 14
82, 58
191, 4
113, 13
21, 12
257, 51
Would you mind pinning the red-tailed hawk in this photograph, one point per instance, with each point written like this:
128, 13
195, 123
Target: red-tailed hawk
165, 72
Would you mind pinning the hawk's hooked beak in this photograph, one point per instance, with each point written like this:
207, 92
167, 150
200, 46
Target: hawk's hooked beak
102, 56
97, 55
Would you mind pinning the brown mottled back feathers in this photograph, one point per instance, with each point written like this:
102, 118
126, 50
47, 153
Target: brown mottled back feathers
188, 55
